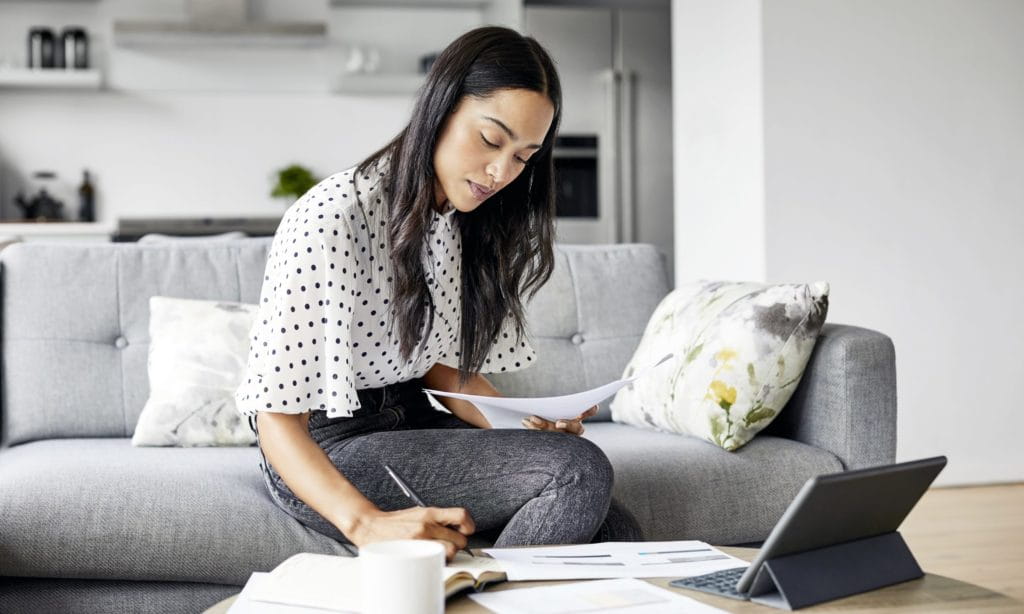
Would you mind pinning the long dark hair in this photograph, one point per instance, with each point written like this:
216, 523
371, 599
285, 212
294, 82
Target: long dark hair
507, 249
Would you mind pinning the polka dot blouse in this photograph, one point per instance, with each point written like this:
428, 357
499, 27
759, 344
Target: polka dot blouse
324, 328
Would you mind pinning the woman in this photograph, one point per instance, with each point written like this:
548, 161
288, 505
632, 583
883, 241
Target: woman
406, 272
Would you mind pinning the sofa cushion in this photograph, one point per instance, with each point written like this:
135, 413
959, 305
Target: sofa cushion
68, 306
75, 319
103, 509
588, 319
682, 487
197, 352
740, 351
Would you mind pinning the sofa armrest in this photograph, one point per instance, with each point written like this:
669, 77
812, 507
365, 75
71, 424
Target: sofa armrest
846, 401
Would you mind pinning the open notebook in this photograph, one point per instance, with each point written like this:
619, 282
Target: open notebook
332, 582
472, 572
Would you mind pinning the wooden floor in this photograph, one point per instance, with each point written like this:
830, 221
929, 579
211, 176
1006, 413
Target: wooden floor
974, 534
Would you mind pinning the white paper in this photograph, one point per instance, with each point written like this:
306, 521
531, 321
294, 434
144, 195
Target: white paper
322, 581
677, 559
563, 407
622, 596
244, 604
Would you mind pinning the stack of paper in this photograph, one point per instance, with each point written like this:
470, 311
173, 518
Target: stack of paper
305, 582
259, 582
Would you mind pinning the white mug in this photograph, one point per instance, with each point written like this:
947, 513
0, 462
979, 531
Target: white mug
402, 576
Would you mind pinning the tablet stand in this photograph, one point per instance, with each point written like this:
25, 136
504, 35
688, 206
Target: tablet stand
805, 578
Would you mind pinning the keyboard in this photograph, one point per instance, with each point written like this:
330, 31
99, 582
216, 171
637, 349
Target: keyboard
721, 583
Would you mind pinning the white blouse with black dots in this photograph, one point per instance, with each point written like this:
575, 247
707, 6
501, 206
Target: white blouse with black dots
324, 327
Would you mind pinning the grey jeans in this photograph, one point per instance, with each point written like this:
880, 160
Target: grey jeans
520, 486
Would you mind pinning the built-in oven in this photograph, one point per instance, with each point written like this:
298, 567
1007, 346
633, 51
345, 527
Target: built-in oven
575, 158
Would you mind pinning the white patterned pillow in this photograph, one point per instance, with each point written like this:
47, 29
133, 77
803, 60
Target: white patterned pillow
741, 349
197, 355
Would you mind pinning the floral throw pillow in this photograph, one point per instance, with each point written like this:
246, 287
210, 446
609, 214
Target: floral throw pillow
740, 351
197, 355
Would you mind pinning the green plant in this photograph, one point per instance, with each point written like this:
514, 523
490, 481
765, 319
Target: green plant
294, 181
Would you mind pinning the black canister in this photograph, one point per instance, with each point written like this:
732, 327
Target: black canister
41, 47
74, 48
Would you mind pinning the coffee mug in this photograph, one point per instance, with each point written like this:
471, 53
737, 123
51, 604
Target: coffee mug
402, 576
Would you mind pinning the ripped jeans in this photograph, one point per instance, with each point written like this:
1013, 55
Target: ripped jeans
521, 487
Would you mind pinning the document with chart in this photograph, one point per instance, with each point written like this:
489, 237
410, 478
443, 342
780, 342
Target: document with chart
614, 560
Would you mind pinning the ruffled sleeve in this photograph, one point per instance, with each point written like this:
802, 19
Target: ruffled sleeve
300, 353
508, 352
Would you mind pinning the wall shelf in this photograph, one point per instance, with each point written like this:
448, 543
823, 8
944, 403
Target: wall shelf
50, 78
181, 33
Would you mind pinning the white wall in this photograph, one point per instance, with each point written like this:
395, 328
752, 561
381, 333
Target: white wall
893, 155
894, 140
717, 129
188, 154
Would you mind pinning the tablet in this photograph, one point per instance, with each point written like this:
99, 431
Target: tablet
840, 507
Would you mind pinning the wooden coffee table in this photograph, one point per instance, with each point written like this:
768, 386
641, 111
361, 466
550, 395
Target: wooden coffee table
932, 593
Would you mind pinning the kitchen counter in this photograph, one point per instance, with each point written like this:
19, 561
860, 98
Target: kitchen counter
78, 230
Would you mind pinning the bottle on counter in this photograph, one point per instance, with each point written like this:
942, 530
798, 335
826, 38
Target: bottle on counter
86, 200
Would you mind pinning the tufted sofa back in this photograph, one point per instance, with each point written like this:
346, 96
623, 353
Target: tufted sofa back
74, 321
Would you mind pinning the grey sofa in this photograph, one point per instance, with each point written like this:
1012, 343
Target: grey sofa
89, 523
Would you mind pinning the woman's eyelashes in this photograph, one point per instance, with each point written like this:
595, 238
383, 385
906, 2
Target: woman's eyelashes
495, 146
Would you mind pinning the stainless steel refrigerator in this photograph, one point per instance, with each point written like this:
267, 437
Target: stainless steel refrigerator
614, 61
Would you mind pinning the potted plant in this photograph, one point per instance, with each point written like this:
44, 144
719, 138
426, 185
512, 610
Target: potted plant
293, 181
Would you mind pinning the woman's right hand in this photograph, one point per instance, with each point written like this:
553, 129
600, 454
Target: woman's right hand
448, 525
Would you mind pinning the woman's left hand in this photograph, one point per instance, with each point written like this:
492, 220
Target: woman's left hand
573, 426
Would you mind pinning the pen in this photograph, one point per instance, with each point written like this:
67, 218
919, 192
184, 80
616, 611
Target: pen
409, 492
